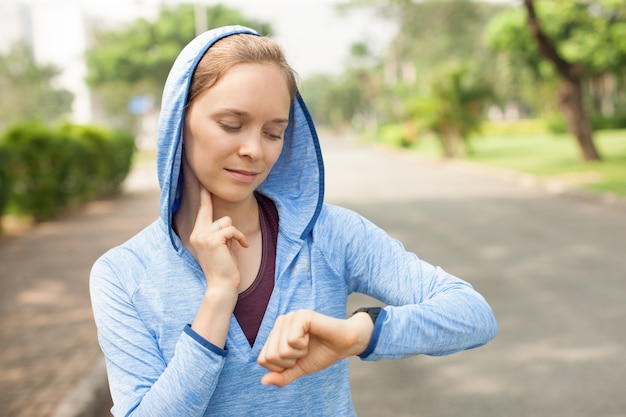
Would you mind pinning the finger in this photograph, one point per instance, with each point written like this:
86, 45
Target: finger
285, 345
280, 379
268, 357
225, 226
297, 334
205, 212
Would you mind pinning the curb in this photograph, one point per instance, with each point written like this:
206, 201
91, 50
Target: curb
547, 185
90, 396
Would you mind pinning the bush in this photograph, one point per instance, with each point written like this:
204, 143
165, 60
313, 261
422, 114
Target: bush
609, 122
398, 135
55, 168
105, 162
5, 178
557, 124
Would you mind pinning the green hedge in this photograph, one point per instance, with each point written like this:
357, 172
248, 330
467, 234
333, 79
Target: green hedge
52, 168
557, 124
5, 178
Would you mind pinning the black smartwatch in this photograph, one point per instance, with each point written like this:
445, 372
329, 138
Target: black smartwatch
372, 311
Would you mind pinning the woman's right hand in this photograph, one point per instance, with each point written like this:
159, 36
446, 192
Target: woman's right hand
212, 242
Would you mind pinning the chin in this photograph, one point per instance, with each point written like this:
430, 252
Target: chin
234, 197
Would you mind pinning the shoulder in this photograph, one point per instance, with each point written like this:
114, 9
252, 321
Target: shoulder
331, 213
124, 265
341, 220
339, 226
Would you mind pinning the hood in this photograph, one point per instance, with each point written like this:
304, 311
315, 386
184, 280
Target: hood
296, 182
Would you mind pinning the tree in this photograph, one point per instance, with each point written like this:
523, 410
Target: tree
572, 42
136, 60
453, 110
570, 93
430, 68
28, 91
431, 32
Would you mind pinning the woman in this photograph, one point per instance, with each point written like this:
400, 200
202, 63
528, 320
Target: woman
240, 287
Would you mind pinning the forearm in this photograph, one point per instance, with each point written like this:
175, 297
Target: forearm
185, 386
213, 318
444, 325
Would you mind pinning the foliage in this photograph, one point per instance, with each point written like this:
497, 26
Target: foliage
548, 156
5, 178
556, 124
54, 168
589, 34
427, 82
27, 89
397, 135
453, 111
332, 101
592, 34
106, 159
136, 60
338, 101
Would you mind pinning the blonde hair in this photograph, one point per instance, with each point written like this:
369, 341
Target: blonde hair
238, 49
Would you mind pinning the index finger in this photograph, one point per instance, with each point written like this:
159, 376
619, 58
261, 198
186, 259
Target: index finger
205, 211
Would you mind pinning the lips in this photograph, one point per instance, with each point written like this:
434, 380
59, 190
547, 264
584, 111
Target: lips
243, 175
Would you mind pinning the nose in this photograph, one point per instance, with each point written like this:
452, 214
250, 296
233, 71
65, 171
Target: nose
251, 146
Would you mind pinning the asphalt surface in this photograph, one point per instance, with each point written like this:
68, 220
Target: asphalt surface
552, 266
50, 362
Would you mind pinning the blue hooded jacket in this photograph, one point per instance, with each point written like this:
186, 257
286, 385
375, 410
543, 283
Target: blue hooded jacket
146, 291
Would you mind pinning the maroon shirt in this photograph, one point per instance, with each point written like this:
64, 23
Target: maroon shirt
252, 303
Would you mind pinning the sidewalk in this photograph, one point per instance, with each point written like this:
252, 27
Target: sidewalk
48, 340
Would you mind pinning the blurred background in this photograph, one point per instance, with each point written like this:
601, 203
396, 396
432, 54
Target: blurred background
534, 89
465, 79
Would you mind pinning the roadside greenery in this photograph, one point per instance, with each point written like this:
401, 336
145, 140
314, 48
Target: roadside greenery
564, 66
28, 90
134, 61
527, 148
47, 169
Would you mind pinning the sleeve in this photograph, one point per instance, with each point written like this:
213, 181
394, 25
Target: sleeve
429, 311
141, 382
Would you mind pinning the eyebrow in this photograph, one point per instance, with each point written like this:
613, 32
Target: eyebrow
245, 114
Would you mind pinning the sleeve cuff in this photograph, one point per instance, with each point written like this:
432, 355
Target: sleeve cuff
378, 325
205, 343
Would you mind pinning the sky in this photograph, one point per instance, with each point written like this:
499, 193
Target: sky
315, 37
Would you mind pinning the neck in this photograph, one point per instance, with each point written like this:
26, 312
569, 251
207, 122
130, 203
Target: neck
244, 215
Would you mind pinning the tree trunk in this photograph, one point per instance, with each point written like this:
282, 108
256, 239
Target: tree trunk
571, 103
570, 93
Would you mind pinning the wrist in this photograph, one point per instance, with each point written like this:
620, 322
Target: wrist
213, 318
221, 294
363, 327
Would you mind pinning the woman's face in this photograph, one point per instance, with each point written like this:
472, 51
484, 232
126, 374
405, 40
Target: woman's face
234, 130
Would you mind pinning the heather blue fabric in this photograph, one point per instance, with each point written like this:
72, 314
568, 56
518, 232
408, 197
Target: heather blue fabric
146, 291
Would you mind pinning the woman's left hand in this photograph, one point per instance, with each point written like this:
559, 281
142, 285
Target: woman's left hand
304, 341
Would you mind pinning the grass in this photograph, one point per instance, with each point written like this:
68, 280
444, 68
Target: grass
549, 156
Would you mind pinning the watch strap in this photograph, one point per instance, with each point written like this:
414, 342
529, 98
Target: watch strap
372, 311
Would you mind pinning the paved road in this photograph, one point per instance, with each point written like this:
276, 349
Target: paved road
552, 267
47, 336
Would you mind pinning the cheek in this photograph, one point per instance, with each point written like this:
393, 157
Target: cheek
274, 153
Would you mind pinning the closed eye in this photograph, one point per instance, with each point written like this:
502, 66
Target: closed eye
229, 127
274, 136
